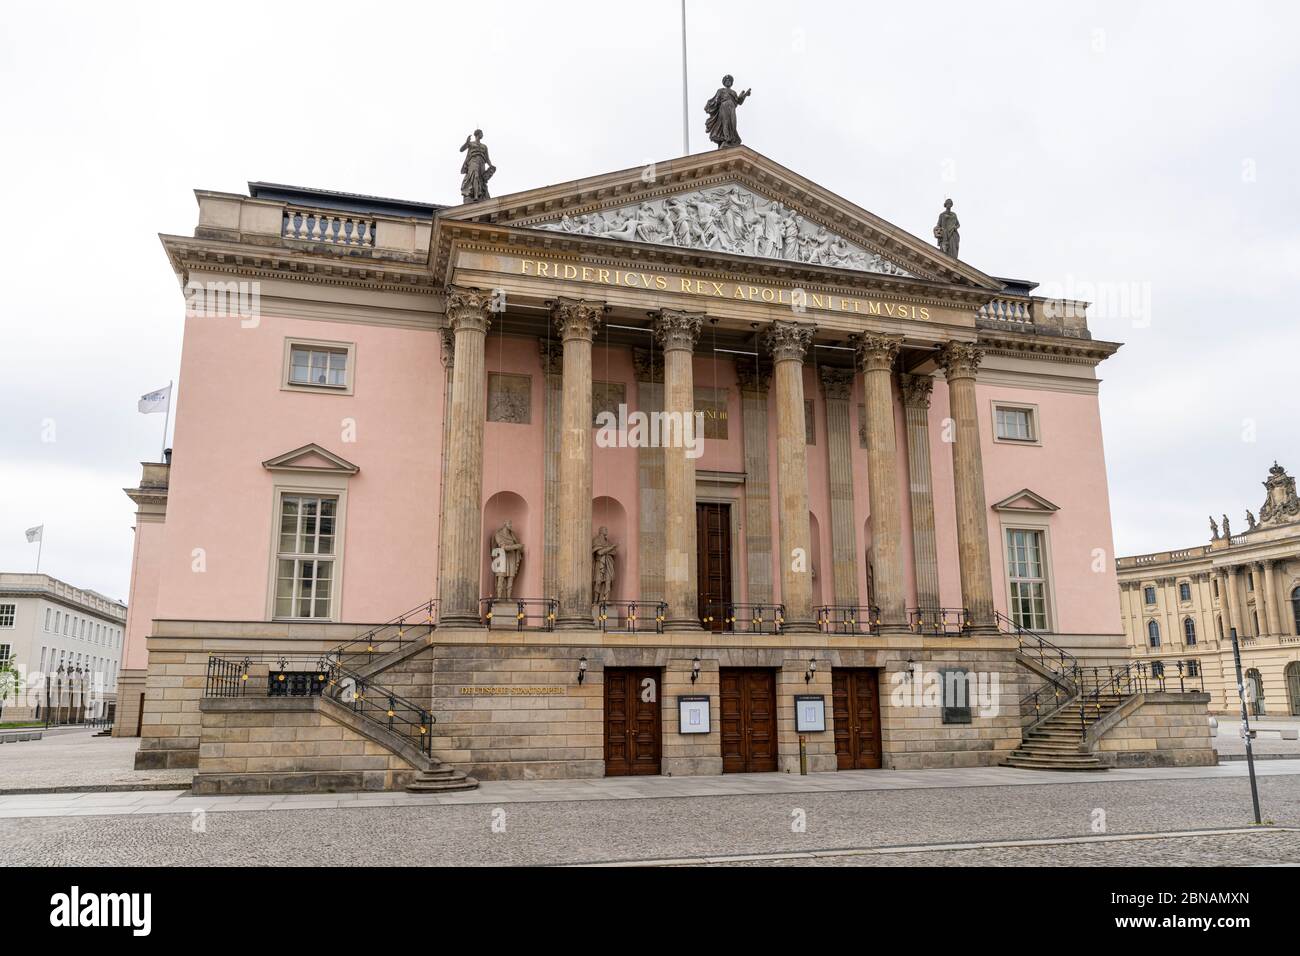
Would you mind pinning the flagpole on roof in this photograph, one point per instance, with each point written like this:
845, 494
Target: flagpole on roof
40, 543
162, 456
686, 122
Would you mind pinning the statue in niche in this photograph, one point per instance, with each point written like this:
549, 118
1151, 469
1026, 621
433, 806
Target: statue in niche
1214, 529
507, 555
602, 566
476, 170
721, 124
945, 230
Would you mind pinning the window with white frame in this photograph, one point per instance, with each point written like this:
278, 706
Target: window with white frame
1015, 423
6, 653
8, 612
305, 555
319, 365
47, 618
1027, 570
1184, 591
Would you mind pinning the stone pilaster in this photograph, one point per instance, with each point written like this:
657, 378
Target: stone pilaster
576, 321
1236, 607
916, 390
960, 361
837, 386
789, 343
876, 352
650, 478
552, 354
448, 341
677, 333
754, 377
469, 313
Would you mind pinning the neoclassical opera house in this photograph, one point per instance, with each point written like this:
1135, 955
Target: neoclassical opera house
695, 468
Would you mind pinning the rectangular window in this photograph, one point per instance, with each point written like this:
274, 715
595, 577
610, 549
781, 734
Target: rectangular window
305, 556
1193, 668
1184, 591
43, 659
47, 618
1149, 595
1028, 574
7, 614
319, 365
6, 653
1015, 423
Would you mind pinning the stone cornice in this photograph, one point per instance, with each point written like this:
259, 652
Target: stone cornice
1048, 348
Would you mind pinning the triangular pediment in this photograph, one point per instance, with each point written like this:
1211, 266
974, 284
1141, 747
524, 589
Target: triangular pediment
732, 202
311, 458
1026, 500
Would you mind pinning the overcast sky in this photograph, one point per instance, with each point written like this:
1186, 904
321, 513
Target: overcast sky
1148, 149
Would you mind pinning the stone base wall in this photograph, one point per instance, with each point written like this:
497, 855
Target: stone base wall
1156, 730
289, 745
130, 685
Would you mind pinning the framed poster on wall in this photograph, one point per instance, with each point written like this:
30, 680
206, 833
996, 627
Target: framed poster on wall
693, 715
809, 713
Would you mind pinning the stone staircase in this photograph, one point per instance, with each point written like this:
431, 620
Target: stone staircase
1057, 742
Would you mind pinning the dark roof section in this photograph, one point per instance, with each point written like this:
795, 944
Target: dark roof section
344, 202
1017, 286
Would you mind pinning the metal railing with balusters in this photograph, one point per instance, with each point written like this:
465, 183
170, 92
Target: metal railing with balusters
419, 622
736, 618
938, 620
631, 617
846, 619
525, 614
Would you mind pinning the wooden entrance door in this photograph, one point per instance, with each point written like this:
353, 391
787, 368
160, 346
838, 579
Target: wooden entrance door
632, 725
713, 561
748, 700
856, 710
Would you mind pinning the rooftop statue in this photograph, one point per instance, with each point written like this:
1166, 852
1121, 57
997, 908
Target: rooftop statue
1214, 529
476, 170
721, 124
945, 230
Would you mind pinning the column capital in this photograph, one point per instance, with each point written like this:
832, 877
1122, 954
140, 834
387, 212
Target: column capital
915, 389
753, 374
577, 318
876, 351
789, 341
837, 383
960, 360
646, 368
552, 353
469, 308
677, 330
1268, 564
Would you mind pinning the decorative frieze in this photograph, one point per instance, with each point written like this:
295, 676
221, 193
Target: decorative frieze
606, 397
510, 398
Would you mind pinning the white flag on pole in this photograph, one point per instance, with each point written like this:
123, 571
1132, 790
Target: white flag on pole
159, 401
35, 534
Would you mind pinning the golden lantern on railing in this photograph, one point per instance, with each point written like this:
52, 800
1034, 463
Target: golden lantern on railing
391, 712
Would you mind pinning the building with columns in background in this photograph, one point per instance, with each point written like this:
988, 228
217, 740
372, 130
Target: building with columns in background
676, 469
1180, 608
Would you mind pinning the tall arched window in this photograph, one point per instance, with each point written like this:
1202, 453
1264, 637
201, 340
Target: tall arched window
1189, 630
1295, 608
1153, 633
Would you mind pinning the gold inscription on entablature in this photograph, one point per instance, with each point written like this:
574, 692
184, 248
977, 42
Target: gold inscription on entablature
548, 690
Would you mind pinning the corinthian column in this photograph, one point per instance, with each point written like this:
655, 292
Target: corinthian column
916, 411
576, 321
837, 386
789, 343
1270, 622
469, 312
960, 361
876, 354
753, 379
677, 333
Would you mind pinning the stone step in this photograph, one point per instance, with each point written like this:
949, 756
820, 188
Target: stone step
441, 779
1029, 762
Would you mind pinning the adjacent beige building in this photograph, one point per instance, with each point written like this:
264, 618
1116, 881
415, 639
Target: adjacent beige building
1180, 608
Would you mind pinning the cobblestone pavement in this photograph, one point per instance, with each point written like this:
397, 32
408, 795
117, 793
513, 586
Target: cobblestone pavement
78, 759
586, 831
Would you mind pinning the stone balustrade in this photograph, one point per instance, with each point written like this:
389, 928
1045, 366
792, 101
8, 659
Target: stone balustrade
311, 225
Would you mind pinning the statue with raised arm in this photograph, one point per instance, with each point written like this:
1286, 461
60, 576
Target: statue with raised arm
721, 124
945, 230
602, 566
476, 170
507, 555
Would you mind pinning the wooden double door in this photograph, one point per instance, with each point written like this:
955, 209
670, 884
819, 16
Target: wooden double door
633, 731
856, 711
748, 706
713, 561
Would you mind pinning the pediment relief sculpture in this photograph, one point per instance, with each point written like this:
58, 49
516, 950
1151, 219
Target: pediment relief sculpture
731, 219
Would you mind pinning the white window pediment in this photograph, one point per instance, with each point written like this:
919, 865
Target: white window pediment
727, 218
311, 459
1025, 501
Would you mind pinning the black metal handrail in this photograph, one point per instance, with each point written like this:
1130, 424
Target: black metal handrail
628, 616
529, 613
743, 618
419, 621
847, 619
320, 676
938, 620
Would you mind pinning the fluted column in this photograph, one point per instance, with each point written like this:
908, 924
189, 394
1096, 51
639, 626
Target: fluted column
469, 312
837, 387
677, 333
1225, 602
789, 343
960, 361
1272, 621
1234, 601
876, 352
753, 378
650, 478
552, 354
448, 364
576, 321
916, 391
